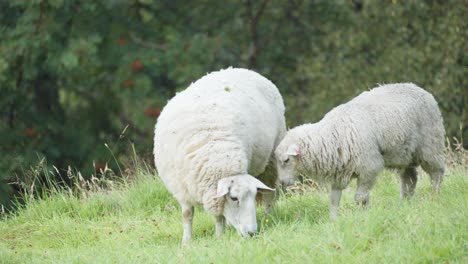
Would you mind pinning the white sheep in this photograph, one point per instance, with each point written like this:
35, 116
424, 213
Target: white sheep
213, 138
395, 125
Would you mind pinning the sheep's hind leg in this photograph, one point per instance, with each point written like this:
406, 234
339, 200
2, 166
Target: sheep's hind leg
187, 219
220, 224
408, 180
435, 169
335, 197
364, 185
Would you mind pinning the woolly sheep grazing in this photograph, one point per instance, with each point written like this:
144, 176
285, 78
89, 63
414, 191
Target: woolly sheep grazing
213, 138
396, 125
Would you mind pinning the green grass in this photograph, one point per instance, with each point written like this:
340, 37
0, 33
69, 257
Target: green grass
141, 223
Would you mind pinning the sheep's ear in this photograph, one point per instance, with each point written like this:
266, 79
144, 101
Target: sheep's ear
293, 150
224, 185
265, 188
261, 187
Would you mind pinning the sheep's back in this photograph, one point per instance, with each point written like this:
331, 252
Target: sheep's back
399, 119
226, 123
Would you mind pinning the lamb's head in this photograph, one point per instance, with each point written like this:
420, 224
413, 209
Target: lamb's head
239, 193
287, 155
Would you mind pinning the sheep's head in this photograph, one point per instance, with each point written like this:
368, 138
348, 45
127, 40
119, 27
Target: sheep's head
239, 193
286, 159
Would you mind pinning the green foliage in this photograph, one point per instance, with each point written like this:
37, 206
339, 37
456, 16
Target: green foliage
74, 74
140, 222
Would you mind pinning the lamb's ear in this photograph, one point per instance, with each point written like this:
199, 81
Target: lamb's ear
293, 150
224, 185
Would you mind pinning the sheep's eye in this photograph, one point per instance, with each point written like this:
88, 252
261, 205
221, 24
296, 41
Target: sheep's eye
233, 198
286, 160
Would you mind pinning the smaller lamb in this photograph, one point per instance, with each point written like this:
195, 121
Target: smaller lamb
395, 125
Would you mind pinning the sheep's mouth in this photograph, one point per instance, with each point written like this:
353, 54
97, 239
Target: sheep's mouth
287, 182
248, 234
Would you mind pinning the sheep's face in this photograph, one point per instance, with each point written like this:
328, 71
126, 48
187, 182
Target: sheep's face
286, 164
239, 202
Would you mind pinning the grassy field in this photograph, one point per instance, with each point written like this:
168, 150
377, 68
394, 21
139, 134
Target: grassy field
140, 222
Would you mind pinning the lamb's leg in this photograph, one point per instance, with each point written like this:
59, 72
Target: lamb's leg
268, 199
220, 224
187, 218
408, 180
435, 169
335, 197
437, 177
364, 185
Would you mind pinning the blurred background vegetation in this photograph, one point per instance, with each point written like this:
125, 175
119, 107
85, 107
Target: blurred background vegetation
76, 75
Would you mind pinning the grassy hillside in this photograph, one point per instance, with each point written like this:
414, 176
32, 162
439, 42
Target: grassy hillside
140, 222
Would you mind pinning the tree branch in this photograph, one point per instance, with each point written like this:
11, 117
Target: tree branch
145, 43
253, 23
260, 11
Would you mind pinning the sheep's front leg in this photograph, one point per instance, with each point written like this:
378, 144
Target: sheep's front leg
268, 201
187, 219
408, 180
335, 197
220, 224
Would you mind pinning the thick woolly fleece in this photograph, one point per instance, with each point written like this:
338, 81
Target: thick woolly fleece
227, 123
395, 125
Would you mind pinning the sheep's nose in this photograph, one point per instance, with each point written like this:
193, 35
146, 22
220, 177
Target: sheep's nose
286, 183
251, 233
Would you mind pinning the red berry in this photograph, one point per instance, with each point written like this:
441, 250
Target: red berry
137, 65
152, 112
30, 132
122, 41
128, 83
99, 167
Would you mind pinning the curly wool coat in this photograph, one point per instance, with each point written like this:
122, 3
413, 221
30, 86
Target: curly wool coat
395, 125
227, 123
